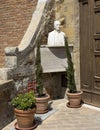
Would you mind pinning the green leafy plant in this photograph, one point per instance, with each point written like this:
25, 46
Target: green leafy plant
70, 70
39, 72
24, 101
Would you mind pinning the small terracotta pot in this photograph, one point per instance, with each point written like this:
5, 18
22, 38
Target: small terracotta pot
42, 104
74, 99
25, 119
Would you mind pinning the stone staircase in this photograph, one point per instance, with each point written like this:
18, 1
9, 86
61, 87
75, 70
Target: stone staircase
19, 60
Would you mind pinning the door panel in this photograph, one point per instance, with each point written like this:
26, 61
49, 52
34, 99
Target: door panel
85, 47
90, 50
97, 2
96, 54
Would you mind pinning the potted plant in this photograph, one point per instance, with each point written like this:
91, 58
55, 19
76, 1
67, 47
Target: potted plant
42, 97
24, 108
74, 96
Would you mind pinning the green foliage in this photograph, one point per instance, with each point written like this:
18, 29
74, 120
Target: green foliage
24, 101
39, 71
70, 70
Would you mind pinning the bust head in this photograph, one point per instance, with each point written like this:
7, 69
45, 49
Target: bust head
57, 25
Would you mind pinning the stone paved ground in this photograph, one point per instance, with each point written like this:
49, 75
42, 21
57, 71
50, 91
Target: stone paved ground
65, 118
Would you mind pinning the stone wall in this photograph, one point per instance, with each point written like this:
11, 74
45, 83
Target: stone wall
67, 11
7, 92
15, 16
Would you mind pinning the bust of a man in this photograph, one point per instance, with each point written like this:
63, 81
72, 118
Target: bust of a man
56, 37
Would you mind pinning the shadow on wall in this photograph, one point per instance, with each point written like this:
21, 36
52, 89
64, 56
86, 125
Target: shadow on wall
55, 85
58, 52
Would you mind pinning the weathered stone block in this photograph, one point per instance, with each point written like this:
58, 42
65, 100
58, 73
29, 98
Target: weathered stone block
11, 61
5, 73
11, 51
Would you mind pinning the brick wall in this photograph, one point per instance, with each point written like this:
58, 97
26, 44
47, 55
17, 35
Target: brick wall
15, 16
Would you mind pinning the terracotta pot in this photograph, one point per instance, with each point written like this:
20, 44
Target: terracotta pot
25, 119
74, 99
42, 104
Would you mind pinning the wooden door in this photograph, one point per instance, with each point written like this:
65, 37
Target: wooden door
90, 50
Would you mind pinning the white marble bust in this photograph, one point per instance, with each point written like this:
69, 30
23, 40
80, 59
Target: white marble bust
56, 37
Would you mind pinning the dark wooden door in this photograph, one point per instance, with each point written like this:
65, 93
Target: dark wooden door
90, 50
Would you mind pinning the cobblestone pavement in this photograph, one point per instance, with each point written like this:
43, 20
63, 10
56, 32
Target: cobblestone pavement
84, 118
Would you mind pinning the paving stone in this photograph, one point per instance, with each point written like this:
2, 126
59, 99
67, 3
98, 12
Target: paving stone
65, 118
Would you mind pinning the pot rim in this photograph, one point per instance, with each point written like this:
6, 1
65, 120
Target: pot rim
77, 93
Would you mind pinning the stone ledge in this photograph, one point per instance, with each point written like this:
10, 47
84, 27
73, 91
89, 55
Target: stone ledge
2, 82
48, 46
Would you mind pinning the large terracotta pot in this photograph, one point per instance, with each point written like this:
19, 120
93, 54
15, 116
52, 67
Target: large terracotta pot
25, 119
42, 104
74, 99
